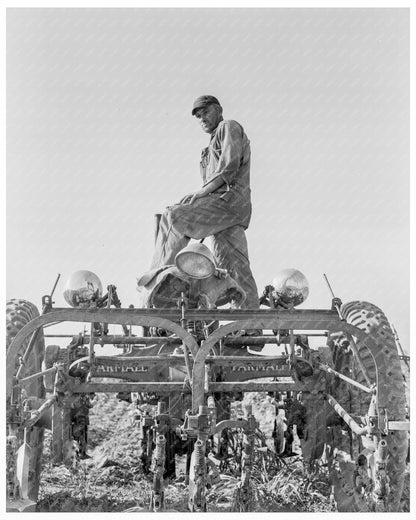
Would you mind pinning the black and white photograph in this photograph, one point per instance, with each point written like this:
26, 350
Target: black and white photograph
207, 259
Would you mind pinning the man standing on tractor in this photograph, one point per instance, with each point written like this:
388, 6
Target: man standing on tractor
221, 208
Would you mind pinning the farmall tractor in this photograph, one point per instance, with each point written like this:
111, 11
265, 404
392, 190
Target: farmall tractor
190, 351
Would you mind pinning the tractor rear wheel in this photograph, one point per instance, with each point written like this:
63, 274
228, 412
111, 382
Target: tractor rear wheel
18, 314
346, 446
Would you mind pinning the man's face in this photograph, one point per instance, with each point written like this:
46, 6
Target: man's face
209, 117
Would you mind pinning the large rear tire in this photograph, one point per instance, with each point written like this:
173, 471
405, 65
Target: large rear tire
345, 445
18, 314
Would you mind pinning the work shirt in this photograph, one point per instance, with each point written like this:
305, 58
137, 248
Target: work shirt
228, 156
224, 214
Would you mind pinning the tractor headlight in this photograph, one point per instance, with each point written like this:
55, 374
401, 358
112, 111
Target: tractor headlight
291, 286
82, 288
196, 261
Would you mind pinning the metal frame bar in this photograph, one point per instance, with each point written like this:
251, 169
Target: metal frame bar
355, 427
329, 370
35, 376
179, 360
142, 317
332, 323
399, 425
240, 319
179, 387
293, 316
40, 412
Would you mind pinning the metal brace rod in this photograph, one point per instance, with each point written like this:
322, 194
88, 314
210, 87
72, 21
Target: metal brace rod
37, 414
166, 388
27, 352
91, 350
402, 355
399, 425
255, 386
46, 306
337, 307
230, 423
329, 370
185, 348
355, 427
111, 339
38, 374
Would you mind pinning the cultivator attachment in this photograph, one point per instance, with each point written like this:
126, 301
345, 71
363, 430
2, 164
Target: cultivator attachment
188, 364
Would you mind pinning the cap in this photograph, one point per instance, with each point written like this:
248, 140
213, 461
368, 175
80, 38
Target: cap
204, 101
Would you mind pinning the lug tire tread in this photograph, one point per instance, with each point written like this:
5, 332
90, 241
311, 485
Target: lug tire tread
19, 312
372, 320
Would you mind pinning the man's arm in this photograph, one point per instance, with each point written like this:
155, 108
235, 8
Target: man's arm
231, 137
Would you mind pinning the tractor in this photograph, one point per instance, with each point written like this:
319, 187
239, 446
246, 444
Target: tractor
190, 351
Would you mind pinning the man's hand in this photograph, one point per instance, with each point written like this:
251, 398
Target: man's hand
204, 191
189, 199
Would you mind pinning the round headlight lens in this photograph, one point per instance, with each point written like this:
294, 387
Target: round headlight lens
291, 286
82, 288
196, 261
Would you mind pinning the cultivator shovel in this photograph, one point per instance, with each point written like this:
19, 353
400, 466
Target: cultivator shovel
23, 466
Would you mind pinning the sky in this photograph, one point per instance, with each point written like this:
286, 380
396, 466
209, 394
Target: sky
100, 137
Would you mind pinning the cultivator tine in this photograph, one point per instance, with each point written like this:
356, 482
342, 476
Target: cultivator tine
57, 453
157, 501
22, 465
197, 478
62, 443
381, 487
68, 452
243, 498
23, 455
